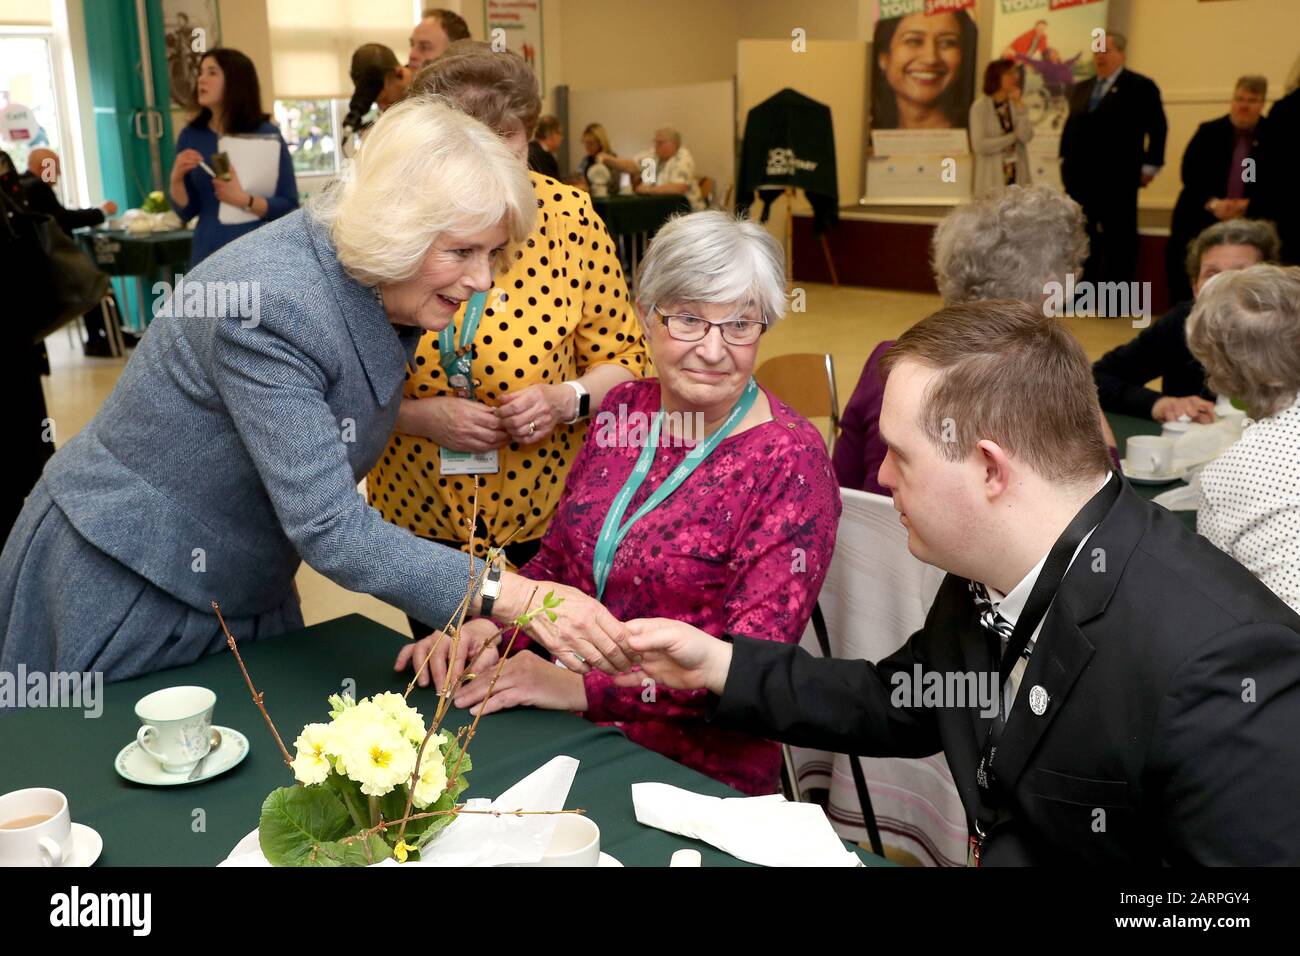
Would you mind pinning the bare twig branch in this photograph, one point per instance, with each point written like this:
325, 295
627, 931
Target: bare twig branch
257, 696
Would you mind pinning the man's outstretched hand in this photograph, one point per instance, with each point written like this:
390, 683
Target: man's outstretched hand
676, 655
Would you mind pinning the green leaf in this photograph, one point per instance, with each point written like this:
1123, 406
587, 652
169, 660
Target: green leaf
434, 824
335, 853
295, 820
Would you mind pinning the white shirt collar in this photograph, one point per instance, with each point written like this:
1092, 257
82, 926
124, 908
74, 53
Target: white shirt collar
1010, 605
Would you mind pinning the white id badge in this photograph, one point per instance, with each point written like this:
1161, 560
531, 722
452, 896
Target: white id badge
468, 462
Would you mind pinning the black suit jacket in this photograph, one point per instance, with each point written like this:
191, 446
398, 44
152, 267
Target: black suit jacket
1205, 174
1147, 752
1103, 152
1278, 194
1159, 351
41, 198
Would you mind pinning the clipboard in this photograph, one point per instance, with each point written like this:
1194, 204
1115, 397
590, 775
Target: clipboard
256, 161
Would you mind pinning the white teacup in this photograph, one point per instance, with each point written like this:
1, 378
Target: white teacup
576, 842
35, 828
1150, 455
177, 726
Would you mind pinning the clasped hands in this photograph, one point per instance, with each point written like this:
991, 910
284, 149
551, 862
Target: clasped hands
526, 417
670, 652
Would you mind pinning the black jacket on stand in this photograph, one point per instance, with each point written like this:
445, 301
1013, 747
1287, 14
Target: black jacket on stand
790, 142
1205, 177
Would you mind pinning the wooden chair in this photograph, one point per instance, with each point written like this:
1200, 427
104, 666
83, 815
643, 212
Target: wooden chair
706, 190
806, 382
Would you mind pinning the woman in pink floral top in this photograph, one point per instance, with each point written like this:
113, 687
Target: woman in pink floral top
740, 547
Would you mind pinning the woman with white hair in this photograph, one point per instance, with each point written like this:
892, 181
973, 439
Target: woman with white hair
1245, 330
697, 496
1005, 246
231, 447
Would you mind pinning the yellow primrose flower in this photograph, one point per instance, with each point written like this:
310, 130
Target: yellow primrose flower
408, 719
379, 758
433, 774
311, 763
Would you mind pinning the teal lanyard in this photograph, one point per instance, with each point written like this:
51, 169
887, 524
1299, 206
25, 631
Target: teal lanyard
456, 357
613, 531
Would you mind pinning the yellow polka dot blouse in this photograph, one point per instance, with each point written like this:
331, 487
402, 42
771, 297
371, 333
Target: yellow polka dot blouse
565, 311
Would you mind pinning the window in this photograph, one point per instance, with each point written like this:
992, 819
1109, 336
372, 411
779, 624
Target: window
310, 128
27, 79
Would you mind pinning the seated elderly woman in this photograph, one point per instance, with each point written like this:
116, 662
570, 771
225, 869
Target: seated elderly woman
698, 496
1005, 246
231, 447
1245, 330
1160, 350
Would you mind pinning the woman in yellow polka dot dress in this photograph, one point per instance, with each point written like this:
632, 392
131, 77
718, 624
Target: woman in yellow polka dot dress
554, 335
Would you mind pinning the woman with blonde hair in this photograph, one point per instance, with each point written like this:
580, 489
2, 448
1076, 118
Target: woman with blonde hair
1245, 330
230, 450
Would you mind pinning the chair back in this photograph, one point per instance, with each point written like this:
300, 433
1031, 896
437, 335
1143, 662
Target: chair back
806, 382
875, 597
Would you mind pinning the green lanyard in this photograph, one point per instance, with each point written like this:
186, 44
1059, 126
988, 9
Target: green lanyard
613, 531
456, 357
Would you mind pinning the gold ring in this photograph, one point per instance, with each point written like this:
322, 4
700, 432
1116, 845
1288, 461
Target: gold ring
532, 428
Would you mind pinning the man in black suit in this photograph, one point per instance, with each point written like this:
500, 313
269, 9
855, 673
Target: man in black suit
1278, 193
43, 172
1219, 176
1150, 685
1112, 145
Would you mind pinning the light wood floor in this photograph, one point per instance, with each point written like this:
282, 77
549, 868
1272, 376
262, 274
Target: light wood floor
846, 322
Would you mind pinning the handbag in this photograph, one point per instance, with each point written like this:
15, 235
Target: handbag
56, 279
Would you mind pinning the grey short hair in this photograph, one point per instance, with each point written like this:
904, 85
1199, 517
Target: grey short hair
1253, 83
423, 171
1118, 40
712, 256
1245, 330
671, 133
1008, 246
1259, 233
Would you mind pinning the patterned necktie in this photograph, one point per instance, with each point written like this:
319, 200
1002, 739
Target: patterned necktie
989, 616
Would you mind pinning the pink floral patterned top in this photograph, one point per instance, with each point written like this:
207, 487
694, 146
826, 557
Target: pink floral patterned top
742, 547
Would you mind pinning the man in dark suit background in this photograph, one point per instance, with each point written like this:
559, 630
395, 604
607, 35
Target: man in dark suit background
1112, 145
1150, 685
541, 151
43, 172
1278, 193
1218, 182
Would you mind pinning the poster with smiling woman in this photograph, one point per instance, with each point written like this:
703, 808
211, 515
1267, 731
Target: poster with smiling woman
922, 76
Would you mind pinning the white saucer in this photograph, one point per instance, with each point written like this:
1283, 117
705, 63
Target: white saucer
607, 860
87, 844
138, 767
1177, 474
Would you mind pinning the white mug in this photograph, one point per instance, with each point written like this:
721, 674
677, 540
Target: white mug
576, 842
1150, 455
46, 842
177, 726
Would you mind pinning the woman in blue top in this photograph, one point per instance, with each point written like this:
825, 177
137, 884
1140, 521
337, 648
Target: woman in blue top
231, 104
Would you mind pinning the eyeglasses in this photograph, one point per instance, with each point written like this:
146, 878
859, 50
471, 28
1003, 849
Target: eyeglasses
685, 327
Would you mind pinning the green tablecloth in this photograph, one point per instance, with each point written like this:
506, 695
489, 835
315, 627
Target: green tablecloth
1125, 427
630, 215
153, 826
120, 253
